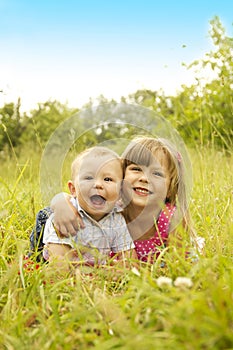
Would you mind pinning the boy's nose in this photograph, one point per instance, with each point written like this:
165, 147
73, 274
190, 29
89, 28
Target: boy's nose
98, 184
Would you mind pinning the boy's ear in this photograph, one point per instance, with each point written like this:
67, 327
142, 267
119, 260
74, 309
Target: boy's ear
72, 188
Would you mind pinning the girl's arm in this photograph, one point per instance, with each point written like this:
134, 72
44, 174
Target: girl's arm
66, 217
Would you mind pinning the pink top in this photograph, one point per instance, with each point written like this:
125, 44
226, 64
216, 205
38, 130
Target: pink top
153, 246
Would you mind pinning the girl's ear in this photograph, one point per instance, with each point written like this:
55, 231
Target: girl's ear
72, 188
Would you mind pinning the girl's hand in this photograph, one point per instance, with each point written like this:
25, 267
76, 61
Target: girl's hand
66, 217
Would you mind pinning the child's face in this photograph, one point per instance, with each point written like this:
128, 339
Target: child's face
147, 185
98, 184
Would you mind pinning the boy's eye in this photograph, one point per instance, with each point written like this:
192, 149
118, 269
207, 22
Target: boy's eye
108, 179
88, 178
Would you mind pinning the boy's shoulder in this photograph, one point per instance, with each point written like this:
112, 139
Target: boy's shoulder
119, 207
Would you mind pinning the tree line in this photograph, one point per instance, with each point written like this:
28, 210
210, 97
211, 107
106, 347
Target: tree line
202, 113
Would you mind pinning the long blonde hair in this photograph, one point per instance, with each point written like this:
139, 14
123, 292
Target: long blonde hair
143, 151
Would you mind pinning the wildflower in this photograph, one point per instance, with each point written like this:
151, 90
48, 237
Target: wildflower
200, 242
135, 271
183, 282
110, 331
164, 281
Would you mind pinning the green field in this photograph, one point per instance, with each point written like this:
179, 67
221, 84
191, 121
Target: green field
42, 311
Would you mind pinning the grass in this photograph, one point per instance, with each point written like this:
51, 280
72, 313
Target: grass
42, 311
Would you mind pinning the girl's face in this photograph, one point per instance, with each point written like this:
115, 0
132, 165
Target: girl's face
147, 185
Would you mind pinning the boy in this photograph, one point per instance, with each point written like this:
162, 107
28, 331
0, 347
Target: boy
95, 188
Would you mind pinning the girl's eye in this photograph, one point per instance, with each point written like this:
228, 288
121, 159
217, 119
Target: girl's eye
136, 168
108, 179
157, 173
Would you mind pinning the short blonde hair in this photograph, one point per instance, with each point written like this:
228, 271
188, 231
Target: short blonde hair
97, 151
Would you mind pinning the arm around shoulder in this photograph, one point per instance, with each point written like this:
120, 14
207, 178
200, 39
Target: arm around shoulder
66, 217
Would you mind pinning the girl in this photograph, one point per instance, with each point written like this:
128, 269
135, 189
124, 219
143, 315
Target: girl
154, 198
154, 193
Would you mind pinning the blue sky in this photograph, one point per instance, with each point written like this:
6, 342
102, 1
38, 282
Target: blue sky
73, 50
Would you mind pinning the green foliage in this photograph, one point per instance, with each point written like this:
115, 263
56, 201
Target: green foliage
202, 113
213, 101
11, 126
105, 310
39, 309
44, 120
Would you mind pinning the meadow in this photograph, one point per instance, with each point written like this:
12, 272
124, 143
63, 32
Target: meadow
39, 310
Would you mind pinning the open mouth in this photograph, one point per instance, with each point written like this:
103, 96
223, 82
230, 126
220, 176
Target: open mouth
141, 191
97, 200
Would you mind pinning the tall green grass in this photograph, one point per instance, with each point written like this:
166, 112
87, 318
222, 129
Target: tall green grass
39, 310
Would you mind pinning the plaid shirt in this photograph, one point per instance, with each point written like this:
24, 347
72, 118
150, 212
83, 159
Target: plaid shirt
108, 234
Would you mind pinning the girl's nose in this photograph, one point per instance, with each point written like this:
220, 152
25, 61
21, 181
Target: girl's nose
143, 178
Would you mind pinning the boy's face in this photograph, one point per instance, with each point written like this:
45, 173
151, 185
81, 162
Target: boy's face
97, 184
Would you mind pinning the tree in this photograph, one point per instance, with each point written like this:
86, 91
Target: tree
44, 120
207, 107
10, 124
203, 112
